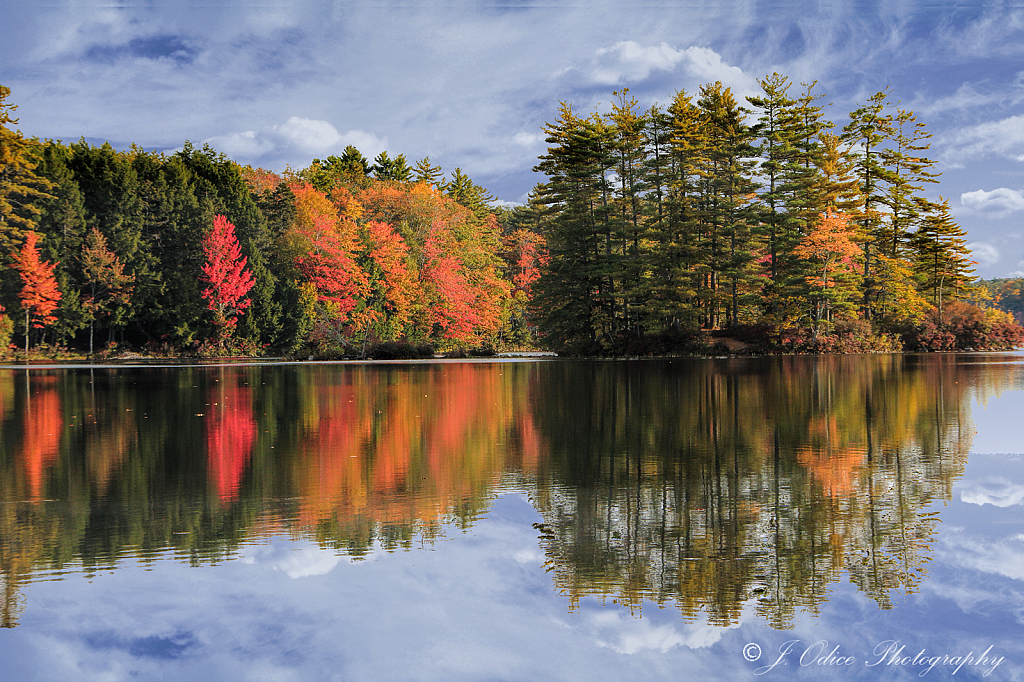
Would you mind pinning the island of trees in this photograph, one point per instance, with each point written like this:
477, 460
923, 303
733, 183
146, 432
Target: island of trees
656, 231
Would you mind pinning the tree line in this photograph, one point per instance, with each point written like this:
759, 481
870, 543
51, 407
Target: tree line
653, 228
192, 251
766, 219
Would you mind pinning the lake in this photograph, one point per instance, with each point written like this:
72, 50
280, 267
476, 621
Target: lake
838, 517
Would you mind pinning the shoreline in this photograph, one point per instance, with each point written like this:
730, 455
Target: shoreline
521, 356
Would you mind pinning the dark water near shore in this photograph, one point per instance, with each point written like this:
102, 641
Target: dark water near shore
517, 520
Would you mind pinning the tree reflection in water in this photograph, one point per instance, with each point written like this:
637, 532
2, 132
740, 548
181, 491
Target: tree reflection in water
707, 484
727, 480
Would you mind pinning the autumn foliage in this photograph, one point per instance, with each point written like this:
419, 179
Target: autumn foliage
652, 230
225, 275
39, 292
829, 246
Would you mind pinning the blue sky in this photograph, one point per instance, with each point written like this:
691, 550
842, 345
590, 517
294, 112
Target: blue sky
472, 84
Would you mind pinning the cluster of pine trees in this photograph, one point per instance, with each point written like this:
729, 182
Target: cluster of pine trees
709, 215
653, 227
191, 251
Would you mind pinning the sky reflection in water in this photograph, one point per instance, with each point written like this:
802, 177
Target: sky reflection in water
513, 521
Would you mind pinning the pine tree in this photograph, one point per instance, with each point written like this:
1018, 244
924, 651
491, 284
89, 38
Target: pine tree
20, 186
774, 127
941, 258
469, 194
630, 263
394, 170
425, 172
681, 238
574, 296
907, 171
727, 190
869, 128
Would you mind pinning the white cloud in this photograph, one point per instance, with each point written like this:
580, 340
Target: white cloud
309, 135
994, 138
1000, 493
707, 65
971, 96
241, 145
297, 138
506, 204
998, 203
625, 634
627, 61
985, 253
528, 139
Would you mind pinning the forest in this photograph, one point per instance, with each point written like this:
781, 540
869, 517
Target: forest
702, 226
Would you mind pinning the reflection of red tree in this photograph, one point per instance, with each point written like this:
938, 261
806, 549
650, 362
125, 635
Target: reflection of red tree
230, 433
43, 423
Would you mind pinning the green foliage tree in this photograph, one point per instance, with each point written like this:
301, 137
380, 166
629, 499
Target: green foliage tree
109, 287
21, 188
430, 174
942, 261
574, 295
395, 170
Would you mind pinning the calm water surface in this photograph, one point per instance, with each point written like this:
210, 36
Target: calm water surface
819, 518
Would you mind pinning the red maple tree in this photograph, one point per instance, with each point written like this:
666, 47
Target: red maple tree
225, 274
39, 292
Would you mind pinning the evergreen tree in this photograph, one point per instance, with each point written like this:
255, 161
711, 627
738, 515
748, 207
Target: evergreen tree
727, 190
469, 194
630, 262
680, 239
395, 170
942, 261
573, 299
869, 128
907, 171
791, 200
20, 186
425, 172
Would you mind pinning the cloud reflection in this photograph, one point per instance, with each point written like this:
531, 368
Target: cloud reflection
999, 493
298, 559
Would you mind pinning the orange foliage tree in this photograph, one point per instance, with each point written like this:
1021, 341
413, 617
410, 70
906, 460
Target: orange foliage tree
525, 254
108, 286
391, 285
324, 244
39, 292
829, 245
460, 293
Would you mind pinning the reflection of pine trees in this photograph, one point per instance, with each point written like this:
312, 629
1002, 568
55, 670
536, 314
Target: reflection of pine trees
707, 484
